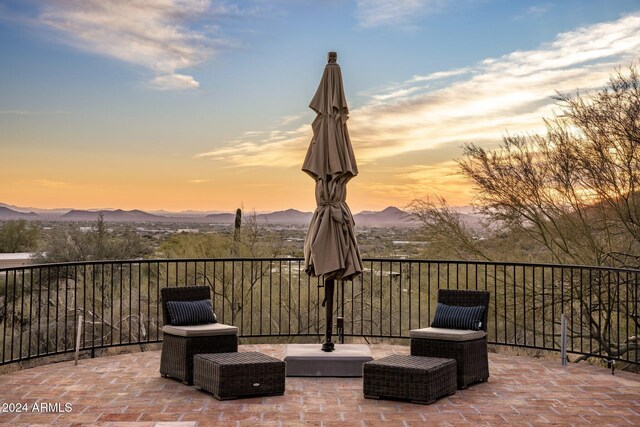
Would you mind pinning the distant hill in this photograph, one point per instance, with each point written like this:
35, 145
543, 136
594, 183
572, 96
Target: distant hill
474, 221
185, 214
41, 212
290, 216
388, 216
391, 216
221, 218
116, 215
6, 213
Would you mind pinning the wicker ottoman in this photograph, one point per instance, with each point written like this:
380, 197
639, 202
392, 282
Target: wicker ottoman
415, 378
234, 375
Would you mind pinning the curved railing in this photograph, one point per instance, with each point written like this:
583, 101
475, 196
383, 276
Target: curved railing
119, 301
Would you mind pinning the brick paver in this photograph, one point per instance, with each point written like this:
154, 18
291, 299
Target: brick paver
127, 390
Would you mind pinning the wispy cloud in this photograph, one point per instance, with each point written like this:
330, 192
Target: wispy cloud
414, 86
276, 148
50, 184
420, 181
440, 75
198, 181
479, 103
511, 93
397, 93
159, 35
175, 81
293, 118
538, 11
380, 13
534, 12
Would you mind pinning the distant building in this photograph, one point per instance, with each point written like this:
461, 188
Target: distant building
17, 259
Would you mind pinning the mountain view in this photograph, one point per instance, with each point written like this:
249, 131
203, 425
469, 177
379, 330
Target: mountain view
391, 216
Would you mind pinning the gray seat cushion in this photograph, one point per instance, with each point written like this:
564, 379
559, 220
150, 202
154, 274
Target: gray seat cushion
447, 334
210, 329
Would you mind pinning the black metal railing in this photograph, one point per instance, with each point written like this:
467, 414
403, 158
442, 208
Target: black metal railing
119, 301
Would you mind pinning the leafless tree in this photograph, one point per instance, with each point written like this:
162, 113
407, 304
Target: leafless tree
574, 192
575, 189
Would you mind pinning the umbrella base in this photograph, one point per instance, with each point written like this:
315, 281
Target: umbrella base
328, 346
308, 360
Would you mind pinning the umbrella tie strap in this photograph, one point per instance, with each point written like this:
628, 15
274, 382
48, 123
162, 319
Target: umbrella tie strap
337, 210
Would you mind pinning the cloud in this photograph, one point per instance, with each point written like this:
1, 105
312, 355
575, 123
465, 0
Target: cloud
511, 93
275, 148
538, 11
50, 184
175, 81
198, 181
380, 13
440, 75
155, 34
223, 7
399, 93
286, 120
534, 12
421, 181
479, 103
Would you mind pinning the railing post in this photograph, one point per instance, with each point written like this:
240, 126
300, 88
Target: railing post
340, 320
563, 339
340, 328
78, 335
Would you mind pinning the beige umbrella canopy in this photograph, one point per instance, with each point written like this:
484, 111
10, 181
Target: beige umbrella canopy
330, 247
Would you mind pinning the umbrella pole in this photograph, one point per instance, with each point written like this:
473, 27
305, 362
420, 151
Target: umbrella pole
329, 285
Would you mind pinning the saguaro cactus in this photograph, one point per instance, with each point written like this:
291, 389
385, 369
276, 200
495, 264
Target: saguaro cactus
236, 231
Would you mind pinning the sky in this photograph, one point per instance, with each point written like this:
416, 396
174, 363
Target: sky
203, 105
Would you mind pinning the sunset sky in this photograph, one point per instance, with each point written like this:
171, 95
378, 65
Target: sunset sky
203, 105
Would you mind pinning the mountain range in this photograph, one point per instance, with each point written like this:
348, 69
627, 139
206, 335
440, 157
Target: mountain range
110, 215
390, 216
7, 213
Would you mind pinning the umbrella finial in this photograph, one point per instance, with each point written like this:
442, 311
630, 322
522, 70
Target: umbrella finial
333, 57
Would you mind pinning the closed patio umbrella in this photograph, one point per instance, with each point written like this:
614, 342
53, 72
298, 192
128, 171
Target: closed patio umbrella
330, 247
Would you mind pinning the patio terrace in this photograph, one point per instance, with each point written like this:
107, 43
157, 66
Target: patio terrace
117, 303
127, 390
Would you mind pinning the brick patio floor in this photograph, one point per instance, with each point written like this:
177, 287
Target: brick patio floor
127, 390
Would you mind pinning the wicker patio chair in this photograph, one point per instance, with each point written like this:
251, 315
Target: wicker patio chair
181, 343
467, 347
